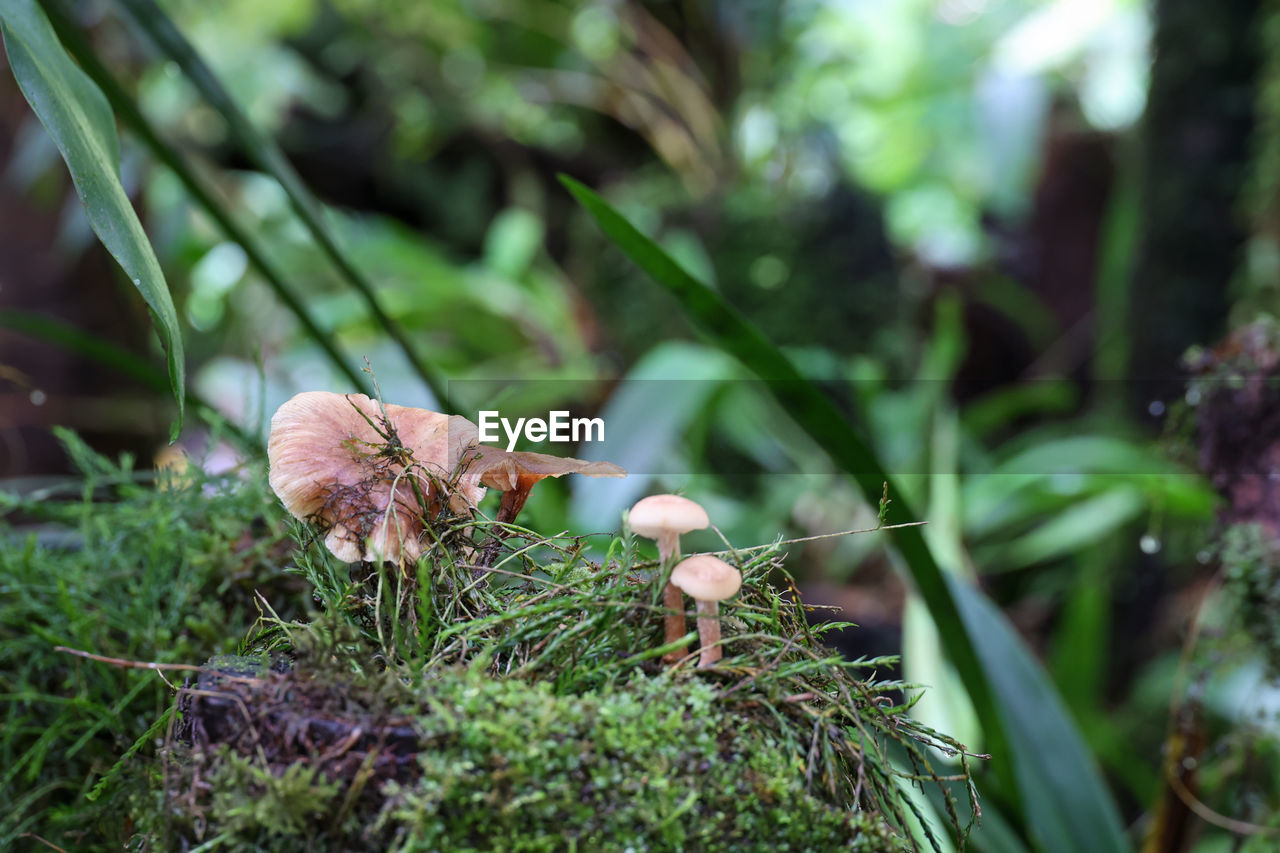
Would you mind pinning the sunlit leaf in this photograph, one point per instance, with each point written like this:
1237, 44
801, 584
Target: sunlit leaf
647, 416
1077, 526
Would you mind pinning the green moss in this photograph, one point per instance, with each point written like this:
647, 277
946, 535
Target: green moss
654, 764
119, 563
523, 706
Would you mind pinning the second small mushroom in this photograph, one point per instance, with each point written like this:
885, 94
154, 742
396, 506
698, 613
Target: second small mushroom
664, 518
709, 580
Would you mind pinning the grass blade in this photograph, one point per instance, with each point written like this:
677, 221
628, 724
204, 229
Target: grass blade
1010, 737
79, 119
267, 156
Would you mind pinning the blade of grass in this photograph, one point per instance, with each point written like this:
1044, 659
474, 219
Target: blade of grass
267, 156
80, 121
201, 192
1011, 739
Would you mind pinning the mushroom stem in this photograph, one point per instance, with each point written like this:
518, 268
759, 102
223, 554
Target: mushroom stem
673, 624
668, 547
709, 632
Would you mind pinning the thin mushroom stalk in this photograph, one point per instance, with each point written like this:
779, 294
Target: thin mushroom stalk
674, 625
709, 633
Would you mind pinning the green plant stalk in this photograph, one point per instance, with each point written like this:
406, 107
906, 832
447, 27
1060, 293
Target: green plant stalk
199, 189
268, 157
1120, 235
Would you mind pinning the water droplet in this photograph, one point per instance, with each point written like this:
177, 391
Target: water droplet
1193, 396
38, 397
1156, 408
1203, 557
1149, 544
137, 282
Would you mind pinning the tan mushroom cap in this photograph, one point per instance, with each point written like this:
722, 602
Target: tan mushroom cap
656, 515
330, 464
707, 578
515, 473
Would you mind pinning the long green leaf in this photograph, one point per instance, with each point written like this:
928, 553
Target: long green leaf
268, 157
820, 418
79, 119
1066, 804
201, 192
1011, 738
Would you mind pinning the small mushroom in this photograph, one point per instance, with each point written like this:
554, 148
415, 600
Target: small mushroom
709, 580
515, 473
664, 518
339, 460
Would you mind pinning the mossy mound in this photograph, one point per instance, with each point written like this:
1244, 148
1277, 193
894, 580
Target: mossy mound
505, 692
655, 763
531, 710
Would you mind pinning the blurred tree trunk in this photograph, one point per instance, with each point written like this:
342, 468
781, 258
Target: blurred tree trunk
1195, 155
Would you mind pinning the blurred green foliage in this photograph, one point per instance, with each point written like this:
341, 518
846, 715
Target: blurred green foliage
842, 173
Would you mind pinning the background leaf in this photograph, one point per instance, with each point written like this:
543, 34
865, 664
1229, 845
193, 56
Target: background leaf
204, 195
1066, 806
79, 119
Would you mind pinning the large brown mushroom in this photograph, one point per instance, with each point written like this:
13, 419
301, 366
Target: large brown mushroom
362, 475
370, 474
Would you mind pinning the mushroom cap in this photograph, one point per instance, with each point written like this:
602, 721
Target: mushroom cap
515, 473
507, 470
706, 578
658, 514
330, 464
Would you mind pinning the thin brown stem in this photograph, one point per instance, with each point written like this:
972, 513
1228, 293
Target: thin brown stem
674, 626
709, 632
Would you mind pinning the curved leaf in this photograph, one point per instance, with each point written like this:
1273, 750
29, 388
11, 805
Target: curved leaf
203, 194
79, 119
1066, 806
